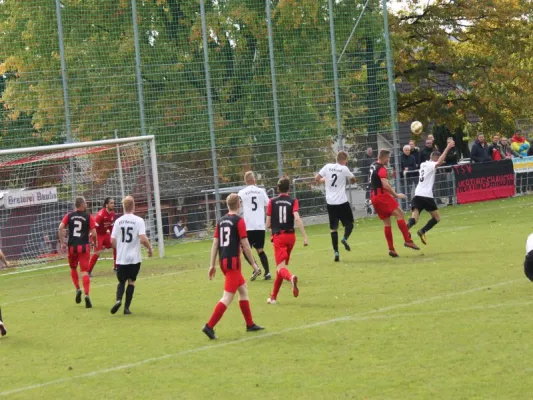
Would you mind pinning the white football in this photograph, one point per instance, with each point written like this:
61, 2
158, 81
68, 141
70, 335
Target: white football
417, 127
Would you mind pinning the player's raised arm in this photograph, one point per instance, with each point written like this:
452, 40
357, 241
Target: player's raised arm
442, 157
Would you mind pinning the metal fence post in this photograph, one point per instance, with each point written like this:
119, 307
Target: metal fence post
274, 86
392, 88
210, 109
335, 75
66, 100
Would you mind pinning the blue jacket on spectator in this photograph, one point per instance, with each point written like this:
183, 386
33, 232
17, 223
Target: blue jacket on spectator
408, 162
480, 152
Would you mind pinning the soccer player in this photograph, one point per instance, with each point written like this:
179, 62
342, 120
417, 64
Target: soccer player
282, 215
230, 236
104, 224
423, 199
383, 197
254, 202
3, 330
339, 209
129, 232
81, 229
528, 262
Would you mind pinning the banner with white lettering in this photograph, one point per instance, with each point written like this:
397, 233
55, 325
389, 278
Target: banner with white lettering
26, 198
524, 164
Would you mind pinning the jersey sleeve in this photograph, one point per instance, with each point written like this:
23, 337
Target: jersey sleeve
142, 227
65, 219
295, 206
92, 222
114, 232
215, 235
382, 173
269, 208
323, 172
348, 173
241, 227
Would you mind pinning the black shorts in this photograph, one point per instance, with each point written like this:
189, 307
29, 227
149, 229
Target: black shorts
528, 266
424, 203
128, 271
256, 239
339, 212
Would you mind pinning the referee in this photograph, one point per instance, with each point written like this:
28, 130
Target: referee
129, 231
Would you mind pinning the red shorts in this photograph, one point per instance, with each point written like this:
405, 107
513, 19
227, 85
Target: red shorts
384, 204
76, 256
283, 244
233, 279
104, 241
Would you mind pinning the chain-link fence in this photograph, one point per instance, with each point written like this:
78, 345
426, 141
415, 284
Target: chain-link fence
225, 86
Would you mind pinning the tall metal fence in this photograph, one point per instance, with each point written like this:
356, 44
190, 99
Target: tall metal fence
225, 86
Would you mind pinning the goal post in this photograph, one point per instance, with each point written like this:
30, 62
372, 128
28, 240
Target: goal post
38, 186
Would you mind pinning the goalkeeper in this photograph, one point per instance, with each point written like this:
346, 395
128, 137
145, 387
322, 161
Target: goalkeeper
105, 218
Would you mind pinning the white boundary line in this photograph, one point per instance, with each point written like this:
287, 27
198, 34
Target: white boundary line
355, 317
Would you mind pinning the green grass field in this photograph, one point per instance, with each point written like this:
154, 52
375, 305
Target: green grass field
452, 321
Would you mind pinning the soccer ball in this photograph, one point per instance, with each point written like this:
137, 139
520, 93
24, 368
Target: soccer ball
417, 127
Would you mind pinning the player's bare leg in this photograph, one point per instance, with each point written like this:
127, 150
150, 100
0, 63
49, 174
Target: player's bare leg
244, 304
389, 237
435, 218
335, 243
3, 259
408, 242
264, 262
218, 312
3, 330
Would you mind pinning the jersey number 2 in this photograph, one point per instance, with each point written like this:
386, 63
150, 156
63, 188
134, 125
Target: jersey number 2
225, 236
334, 177
77, 229
127, 236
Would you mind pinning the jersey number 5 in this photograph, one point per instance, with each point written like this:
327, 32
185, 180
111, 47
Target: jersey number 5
254, 202
225, 236
127, 236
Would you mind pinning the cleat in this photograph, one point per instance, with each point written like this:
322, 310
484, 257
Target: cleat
336, 257
255, 275
88, 303
254, 328
78, 296
210, 332
127, 311
422, 236
268, 276
411, 245
116, 307
270, 300
295, 290
346, 245
393, 253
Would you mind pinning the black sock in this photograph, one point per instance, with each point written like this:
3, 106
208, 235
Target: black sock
431, 223
411, 222
528, 266
335, 241
120, 290
129, 295
264, 261
246, 258
1, 315
348, 231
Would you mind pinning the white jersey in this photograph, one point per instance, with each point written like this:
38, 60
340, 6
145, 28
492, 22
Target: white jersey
529, 244
336, 176
254, 200
426, 179
126, 231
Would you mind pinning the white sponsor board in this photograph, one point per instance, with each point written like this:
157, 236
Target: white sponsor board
26, 198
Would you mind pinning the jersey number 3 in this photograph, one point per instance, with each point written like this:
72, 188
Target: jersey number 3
225, 236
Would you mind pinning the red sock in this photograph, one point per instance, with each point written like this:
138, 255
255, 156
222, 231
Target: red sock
92, 263
285, 274
277, 286
405, 230
246, 312
219, 311
86, 284
75, 278
388, 236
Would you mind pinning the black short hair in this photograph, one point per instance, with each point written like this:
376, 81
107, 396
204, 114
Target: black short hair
284, 184
107, 200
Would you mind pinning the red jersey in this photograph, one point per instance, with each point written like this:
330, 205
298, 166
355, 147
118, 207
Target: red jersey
104, 221
281, 209
377, 173
79, 224
229, 231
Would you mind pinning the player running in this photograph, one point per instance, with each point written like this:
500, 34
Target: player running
254, 201
3, 329
81, 229
383, 197
230, 236
339, 209
104, 224
282, 214
128, 233
423, 199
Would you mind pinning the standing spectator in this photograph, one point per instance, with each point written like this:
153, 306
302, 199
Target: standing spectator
415, 152
506, 151
409, 167
367, 160
425, 154
480, 150
180, 229
452, 158
519, 143
494, 148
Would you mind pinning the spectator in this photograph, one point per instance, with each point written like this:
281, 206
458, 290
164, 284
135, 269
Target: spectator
519, 143
480, 150
452, 158
409, 167
368, 159
505, 149
432, 138
180, 229
415, 152
425, 154
494, 148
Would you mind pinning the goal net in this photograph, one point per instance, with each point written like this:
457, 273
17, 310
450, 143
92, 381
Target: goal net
38, 187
